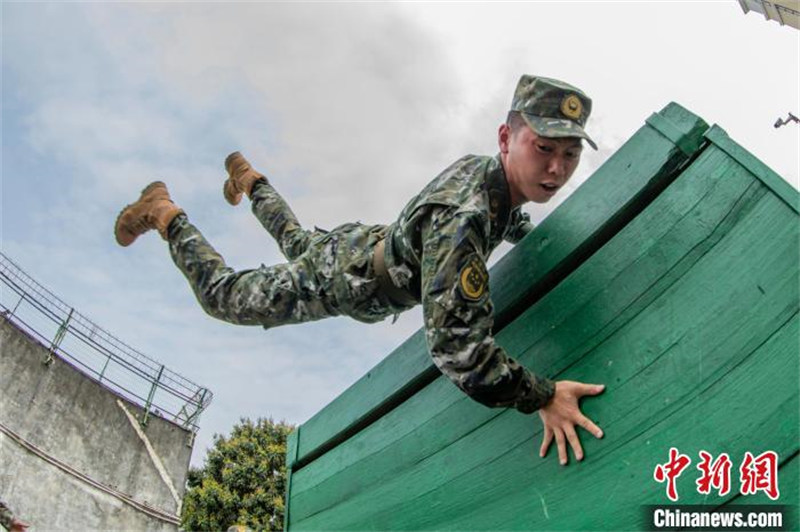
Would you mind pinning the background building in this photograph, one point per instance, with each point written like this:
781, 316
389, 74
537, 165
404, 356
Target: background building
786, 12
94, 435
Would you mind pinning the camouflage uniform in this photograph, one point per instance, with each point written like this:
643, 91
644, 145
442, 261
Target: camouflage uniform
439, 248
329, 273
436, 251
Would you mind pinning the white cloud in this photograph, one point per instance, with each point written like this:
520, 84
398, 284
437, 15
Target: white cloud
314, 110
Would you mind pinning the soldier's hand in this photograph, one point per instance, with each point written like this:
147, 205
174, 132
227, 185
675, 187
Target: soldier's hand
561, 416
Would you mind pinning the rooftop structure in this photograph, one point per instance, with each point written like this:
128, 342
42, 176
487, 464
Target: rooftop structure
785, 12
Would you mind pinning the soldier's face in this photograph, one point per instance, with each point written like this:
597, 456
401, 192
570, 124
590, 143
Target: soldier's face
536, 167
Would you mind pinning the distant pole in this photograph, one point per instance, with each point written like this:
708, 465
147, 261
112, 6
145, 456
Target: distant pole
149, 402
781, 122
54, 345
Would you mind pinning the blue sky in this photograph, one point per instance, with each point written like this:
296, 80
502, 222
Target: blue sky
350, 108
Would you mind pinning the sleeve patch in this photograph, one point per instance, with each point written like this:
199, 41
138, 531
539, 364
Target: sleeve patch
473, 279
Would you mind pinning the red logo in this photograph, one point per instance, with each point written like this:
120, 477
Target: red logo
716, 475
760, 474
671, 471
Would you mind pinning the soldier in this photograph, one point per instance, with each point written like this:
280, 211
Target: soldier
8, 521
435, 253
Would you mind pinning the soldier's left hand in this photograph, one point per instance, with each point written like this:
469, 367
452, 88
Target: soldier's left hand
560, 416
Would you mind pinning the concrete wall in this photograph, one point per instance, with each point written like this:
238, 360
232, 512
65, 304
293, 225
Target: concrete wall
56, 412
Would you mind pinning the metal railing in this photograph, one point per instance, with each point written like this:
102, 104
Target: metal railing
102, 357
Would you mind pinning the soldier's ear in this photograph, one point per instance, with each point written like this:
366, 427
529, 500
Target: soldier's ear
504, 137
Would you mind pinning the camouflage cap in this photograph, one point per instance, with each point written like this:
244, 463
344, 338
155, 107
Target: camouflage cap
552, 108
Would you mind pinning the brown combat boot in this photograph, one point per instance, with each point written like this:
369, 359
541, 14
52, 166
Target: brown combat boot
241, 180
153, 210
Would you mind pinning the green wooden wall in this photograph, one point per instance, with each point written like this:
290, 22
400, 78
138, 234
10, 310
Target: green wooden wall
671, 276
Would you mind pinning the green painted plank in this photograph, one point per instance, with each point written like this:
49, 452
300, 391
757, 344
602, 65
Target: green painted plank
776, 183
482, 438
621, 187
602, 283
658, 254
509, 488
703, 422
711, 421
291, 458
722, 192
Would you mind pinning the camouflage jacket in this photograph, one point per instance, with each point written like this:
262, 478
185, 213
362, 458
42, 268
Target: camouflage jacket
438, 249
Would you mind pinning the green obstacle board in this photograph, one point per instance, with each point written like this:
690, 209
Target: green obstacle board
671, 276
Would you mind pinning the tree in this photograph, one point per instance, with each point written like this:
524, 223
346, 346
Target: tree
242, 482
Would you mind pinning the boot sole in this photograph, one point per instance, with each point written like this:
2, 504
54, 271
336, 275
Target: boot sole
230, 190
229, 159
236, 197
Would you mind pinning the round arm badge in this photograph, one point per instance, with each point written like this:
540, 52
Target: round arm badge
473, 279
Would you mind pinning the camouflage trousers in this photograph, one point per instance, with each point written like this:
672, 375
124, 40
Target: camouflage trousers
329, 273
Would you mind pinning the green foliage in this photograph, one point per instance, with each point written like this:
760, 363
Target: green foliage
242, 482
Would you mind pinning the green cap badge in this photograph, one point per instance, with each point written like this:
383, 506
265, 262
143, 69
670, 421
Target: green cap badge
552, 108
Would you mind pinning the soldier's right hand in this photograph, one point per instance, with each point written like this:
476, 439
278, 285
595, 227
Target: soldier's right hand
560, 416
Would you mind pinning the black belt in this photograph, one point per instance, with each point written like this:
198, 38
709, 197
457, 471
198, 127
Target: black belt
398, 295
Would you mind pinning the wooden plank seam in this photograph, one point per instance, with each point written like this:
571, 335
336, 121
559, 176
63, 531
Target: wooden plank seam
686, 142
